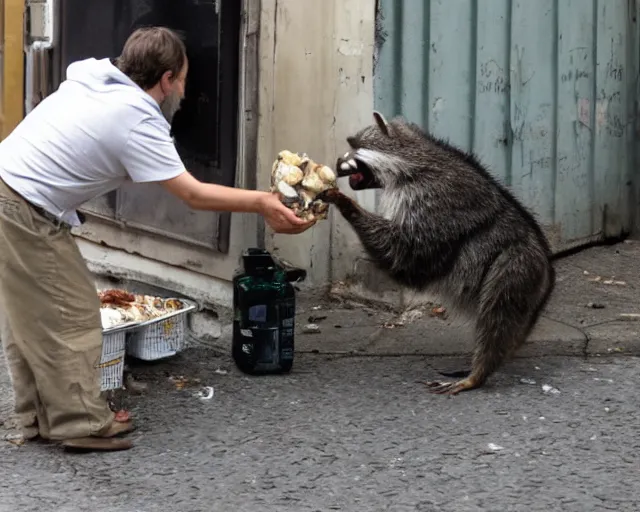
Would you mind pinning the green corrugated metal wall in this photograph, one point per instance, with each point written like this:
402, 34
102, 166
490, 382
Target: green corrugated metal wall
543, 91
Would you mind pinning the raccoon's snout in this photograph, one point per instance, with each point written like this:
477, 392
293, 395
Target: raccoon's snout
360, 176
346, 165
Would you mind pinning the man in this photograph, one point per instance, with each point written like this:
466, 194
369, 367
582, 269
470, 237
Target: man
107, 123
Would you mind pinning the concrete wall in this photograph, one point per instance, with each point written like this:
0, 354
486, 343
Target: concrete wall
306, 85
315, 89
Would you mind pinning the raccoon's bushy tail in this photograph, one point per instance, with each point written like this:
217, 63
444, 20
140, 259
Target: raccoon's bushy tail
514, 292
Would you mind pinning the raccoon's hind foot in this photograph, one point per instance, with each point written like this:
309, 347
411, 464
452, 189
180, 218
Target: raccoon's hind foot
453, 388
456, 374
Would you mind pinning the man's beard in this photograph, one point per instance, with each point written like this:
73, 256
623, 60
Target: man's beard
170, 105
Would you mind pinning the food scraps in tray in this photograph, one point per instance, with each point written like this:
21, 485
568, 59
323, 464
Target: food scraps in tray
119, 307
299, 180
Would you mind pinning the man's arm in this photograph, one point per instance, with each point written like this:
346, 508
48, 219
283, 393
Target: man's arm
207, 196
149, 155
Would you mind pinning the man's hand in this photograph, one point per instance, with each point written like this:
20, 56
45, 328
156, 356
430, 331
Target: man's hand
280, 218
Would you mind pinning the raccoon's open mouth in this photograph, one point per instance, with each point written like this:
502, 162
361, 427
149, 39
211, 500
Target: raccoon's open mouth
360, 175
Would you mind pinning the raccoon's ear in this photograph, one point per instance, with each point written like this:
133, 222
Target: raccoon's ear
382, 123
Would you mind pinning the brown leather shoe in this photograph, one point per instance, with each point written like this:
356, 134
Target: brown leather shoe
105, 441
96, 444
117, 428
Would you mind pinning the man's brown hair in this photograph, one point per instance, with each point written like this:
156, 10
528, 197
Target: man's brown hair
150, 52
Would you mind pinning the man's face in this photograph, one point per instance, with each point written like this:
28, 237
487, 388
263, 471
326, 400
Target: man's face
171, 103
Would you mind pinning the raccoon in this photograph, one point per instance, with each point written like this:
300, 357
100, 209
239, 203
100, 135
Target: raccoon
449, 228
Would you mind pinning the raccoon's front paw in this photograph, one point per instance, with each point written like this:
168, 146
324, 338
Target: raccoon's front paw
333, 195
347, 206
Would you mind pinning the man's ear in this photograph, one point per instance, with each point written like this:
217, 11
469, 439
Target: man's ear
166, 80
381, 122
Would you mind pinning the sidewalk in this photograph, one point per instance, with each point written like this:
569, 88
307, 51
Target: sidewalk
591, 312
595, 289
346, 430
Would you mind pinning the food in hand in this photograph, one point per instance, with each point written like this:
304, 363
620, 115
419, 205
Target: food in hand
299, 180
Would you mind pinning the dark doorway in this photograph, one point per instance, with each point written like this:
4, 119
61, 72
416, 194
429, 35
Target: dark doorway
205, 128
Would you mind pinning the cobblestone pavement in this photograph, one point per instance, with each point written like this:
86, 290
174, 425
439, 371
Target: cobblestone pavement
353, 434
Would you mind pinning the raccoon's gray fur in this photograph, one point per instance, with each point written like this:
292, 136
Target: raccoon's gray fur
448, 227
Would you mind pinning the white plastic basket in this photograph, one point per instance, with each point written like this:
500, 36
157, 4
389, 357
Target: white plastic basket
159, 338
112, 360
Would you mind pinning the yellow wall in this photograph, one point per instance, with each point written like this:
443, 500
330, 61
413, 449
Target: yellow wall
12, 108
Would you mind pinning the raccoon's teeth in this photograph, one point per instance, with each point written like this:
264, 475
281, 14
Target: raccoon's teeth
346, 155
345, 166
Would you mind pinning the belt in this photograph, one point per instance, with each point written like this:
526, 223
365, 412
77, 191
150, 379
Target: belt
52, 218
44, 213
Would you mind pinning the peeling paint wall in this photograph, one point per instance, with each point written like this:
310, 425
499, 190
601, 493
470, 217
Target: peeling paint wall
315, 89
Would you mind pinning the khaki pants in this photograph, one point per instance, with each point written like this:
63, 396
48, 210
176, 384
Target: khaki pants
50, 325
